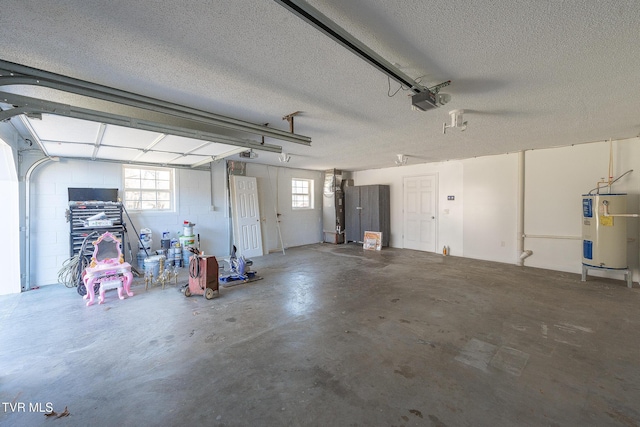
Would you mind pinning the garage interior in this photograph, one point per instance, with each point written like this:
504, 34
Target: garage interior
497, 145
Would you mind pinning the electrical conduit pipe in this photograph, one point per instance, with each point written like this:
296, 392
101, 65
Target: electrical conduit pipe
522, 253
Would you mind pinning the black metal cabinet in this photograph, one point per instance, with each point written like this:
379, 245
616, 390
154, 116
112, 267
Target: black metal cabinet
77, 217
367, 208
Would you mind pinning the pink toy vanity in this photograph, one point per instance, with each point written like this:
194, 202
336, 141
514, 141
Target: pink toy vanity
108, 269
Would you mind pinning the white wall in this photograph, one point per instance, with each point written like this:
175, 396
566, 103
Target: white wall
9, 215
194, 203
555, 180
490, 208
49, 202
201, 199
482, 221
297, 227
450, 183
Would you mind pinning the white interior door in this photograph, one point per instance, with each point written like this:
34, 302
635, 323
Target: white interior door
420, 195
245, 213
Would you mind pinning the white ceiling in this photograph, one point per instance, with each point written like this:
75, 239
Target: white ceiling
529, 74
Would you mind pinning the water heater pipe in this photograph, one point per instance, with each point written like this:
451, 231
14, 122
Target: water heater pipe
609, 184
605, 205
526, 254
522, 253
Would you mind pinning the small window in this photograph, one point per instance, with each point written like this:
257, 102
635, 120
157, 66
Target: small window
148, 189
301, 193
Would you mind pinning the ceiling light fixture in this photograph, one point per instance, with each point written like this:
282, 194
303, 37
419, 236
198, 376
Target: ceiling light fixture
401, 160
284, 158
456, 121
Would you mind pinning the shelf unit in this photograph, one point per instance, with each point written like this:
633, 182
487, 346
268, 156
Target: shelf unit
367, 208
78, 214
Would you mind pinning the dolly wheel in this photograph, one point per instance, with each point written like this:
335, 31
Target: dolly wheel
208, 293
187, 292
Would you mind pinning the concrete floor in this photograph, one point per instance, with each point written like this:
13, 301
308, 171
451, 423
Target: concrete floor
332, 336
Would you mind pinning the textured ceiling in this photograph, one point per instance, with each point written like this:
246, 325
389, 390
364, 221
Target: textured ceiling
529, 74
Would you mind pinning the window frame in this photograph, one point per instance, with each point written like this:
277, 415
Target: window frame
138, 207
308, 194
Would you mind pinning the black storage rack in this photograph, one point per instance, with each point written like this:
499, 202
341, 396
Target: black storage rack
77, 217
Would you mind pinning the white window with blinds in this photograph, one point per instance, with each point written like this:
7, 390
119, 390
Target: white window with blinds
301, 193
148, 188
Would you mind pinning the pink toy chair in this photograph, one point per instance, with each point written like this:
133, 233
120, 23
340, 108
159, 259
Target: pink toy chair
107, 268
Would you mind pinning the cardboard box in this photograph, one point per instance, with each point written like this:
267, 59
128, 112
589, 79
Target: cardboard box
372, 240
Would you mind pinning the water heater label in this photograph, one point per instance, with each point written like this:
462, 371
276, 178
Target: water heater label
606, 221
587, 208
587, 249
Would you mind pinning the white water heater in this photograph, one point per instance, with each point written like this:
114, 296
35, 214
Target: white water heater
604, 238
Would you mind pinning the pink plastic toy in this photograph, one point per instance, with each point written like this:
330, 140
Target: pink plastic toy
107, 268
